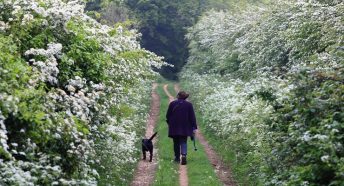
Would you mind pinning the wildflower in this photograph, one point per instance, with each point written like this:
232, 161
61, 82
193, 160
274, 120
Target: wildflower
325, 158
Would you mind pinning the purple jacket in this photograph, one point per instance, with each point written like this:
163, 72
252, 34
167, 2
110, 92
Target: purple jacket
181, 118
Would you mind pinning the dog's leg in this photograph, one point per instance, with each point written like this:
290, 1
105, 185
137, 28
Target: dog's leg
144, 154
150, 155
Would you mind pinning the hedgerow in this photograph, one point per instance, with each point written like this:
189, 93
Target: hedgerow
73, 95
269, 81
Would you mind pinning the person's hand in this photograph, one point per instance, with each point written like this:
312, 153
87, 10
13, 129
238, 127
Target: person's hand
194, 131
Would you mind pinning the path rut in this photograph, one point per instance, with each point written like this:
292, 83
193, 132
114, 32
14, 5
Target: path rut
145, 171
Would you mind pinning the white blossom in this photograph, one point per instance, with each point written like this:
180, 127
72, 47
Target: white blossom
77, 109
325, 158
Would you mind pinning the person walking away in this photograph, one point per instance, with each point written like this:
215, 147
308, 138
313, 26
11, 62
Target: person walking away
181, 122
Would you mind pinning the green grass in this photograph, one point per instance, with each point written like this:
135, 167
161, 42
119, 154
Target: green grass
200, 171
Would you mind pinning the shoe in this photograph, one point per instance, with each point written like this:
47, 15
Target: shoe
176, 160
183, 160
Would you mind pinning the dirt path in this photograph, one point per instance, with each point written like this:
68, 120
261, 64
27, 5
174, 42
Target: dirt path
176, 88
183, 173
222, 171
145, 171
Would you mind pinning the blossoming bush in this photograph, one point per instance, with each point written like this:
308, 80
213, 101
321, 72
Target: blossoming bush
72, 95
269, 82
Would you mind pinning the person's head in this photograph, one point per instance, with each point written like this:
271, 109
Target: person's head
182, 95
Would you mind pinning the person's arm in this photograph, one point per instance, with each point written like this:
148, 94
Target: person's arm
168, 113
193, 118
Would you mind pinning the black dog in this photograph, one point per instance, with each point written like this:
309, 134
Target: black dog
147, 145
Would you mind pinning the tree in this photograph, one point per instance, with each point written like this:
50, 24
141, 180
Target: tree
163, 26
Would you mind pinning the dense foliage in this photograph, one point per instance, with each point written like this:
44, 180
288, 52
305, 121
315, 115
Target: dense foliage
72, 95
269, 81
109, 12
163, 26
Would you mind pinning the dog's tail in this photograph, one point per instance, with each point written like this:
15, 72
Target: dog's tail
150, 139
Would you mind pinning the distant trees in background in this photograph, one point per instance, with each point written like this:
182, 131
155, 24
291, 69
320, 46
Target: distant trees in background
108, 12
162, 23
114, 13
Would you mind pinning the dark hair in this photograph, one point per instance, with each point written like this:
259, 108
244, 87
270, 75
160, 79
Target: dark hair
182, 95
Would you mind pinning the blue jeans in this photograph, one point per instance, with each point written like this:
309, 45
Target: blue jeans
179, 144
